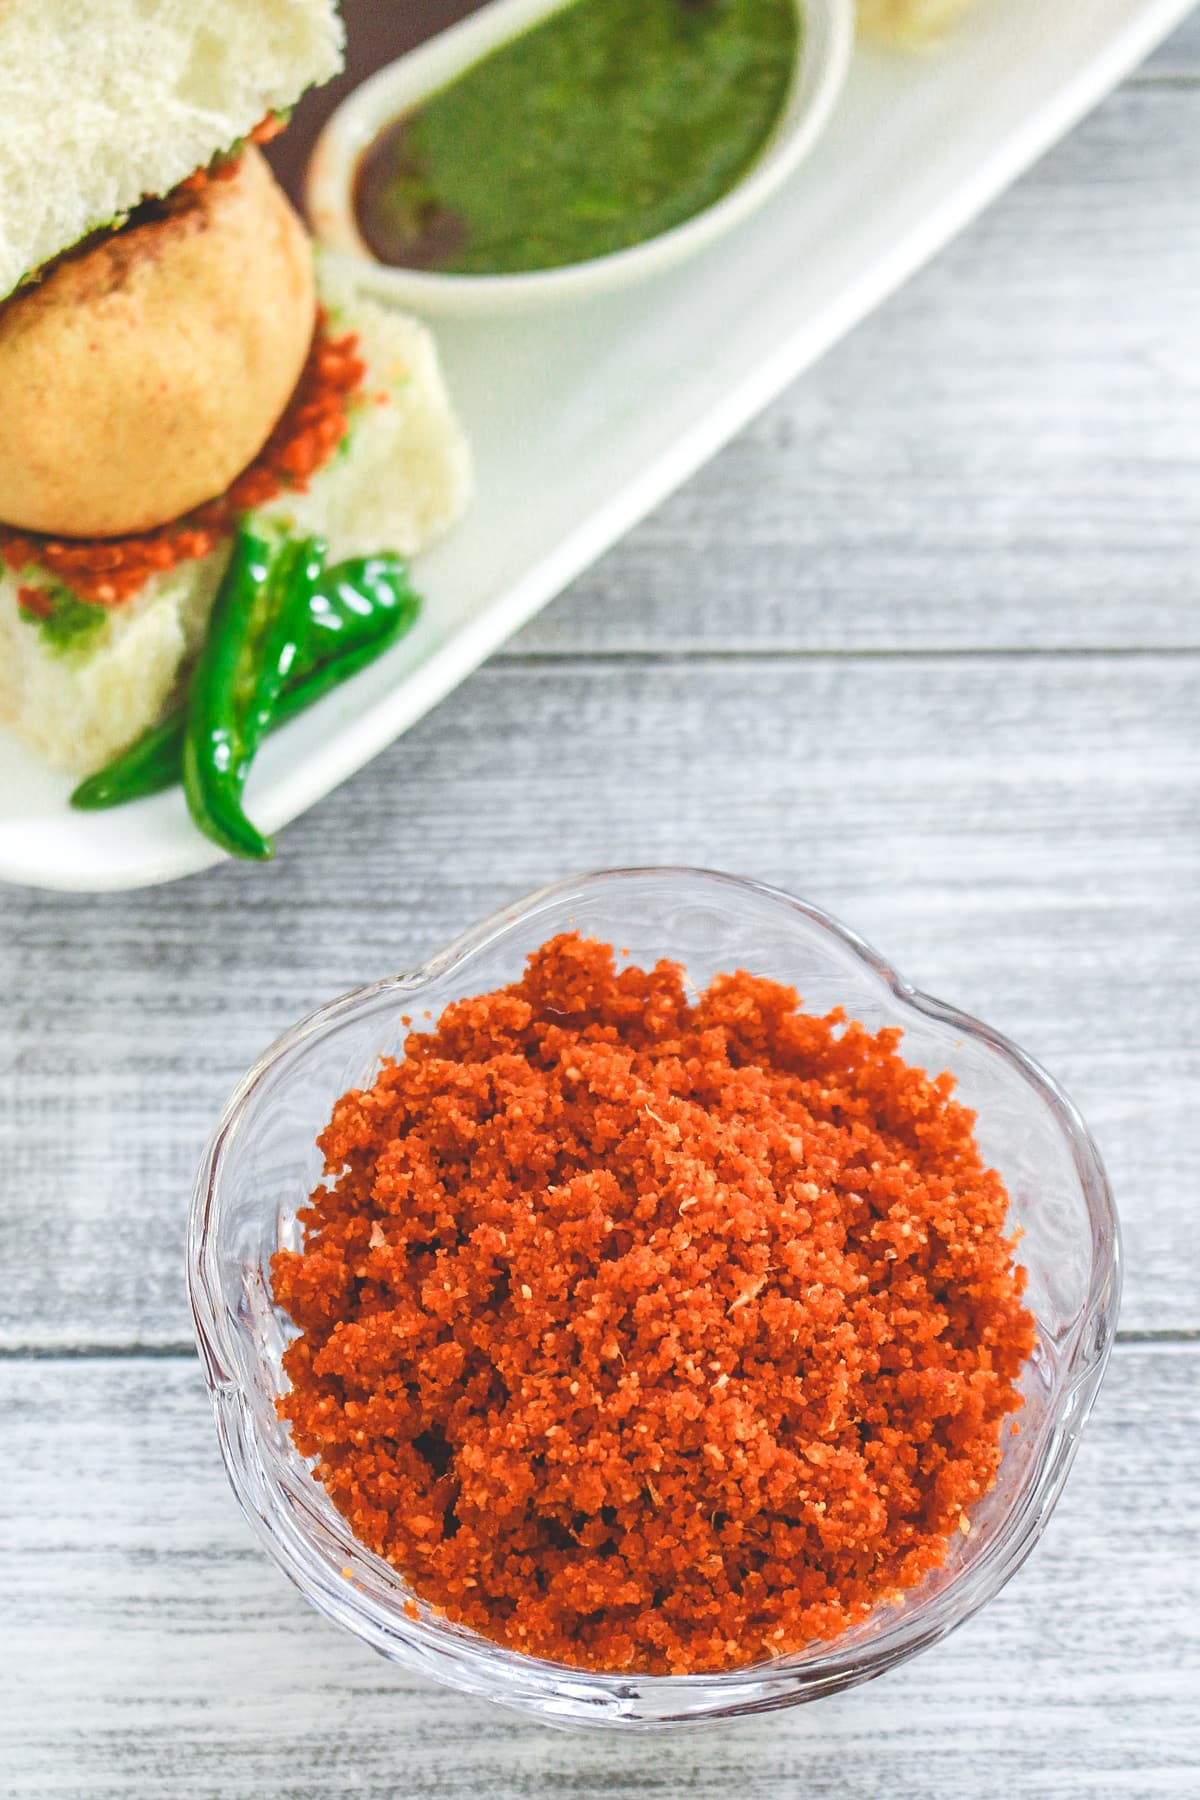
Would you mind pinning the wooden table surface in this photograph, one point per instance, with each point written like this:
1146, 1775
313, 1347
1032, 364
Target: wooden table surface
923, 645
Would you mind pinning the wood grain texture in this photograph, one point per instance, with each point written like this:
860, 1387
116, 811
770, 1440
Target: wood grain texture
922, 645
1177, 59
150, 1649
1021, 835
1007, 455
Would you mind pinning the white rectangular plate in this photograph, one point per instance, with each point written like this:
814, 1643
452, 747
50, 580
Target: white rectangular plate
583, 420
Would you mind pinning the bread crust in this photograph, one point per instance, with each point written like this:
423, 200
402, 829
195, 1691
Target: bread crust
143, 373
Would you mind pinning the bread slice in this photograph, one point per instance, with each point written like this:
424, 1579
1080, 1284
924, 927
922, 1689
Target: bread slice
103, 102
398, 481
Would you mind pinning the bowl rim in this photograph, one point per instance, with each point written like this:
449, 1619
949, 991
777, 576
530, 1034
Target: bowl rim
818, 75
473, 1664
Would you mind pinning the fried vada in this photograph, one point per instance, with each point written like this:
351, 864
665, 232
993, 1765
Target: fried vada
143, 373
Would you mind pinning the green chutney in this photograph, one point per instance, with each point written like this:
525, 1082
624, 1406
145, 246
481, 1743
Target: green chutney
605, 124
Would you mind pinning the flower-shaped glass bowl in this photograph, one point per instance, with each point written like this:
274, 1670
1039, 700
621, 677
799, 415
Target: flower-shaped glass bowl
262, 1163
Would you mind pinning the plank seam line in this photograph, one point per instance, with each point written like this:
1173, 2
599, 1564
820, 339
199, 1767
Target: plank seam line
177, 1351
538, 659
1162, 78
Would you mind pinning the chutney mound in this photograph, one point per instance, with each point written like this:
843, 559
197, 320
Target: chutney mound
648, 1332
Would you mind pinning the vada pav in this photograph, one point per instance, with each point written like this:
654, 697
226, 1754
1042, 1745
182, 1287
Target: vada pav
169, 358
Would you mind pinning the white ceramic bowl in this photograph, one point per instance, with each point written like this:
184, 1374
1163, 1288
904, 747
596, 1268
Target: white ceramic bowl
824, 55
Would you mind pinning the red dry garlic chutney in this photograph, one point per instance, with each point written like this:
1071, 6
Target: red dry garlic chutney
107, 571
224, 167
649, 1334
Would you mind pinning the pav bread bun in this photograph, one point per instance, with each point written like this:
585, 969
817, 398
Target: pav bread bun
103, 102
142, 374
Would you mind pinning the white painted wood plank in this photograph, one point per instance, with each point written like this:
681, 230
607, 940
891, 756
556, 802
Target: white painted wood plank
1022, 836
150, 1649
1007, 454
1045, 872
1179, 57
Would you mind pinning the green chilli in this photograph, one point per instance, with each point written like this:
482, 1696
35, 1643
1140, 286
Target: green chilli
218, 733
353, 612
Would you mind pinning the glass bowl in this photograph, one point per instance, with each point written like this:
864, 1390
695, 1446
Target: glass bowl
262, 1163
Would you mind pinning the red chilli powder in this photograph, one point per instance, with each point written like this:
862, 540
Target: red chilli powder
653, 1334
